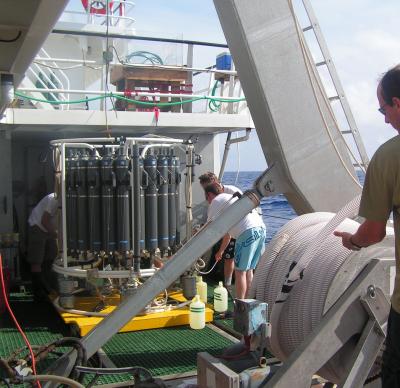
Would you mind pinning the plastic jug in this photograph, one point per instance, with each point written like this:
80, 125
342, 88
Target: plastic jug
220, 298
197, 316
201, 289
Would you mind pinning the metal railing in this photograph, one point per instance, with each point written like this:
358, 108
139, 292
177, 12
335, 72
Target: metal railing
51, 76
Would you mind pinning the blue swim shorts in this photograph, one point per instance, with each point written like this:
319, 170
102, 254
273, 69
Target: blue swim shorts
249, 247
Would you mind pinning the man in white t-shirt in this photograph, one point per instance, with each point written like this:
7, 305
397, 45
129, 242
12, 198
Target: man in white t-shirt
228, 254
42, 244
249, 234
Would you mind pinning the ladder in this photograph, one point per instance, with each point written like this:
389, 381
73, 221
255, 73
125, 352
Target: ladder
340, 95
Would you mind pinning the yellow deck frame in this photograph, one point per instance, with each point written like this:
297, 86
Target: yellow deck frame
157, 320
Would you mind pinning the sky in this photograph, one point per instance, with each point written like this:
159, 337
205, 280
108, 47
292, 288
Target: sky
362, 37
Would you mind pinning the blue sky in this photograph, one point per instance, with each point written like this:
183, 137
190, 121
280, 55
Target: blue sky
362, 36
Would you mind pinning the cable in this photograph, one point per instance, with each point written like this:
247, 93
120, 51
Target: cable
116, 53
152, 57
13, 39
68, 67
108, 133
3, 288
213, 104
54, 378
77, 312
281, 218
206, 273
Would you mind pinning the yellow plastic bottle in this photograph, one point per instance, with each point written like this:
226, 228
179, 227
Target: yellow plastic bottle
197, 316
202, 289
220, 298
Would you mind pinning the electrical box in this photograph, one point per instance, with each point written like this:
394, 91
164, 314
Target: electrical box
249, 315
224, 61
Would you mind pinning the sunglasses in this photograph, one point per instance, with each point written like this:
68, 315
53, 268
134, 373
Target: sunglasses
382, 109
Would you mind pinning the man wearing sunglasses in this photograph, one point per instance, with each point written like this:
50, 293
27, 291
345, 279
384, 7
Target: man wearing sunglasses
381, 197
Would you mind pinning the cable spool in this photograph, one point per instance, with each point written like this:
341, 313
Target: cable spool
329, 272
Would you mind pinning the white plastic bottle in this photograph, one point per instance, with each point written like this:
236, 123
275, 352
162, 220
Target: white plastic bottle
202, 289
197, 316
220, 298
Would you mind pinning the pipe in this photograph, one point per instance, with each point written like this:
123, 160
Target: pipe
137, 37
188, 189
225, 156
139, 65
173, 164
75, 142
94, 202
135, 94
77, 272
83, 61
70, 195
82, 203
108, 202
151, 238
162, 202
63, 208
146, 148
136, 207
228, 143
174, 68
123, 180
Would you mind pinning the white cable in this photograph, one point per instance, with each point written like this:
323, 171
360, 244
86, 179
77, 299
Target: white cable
206, 273
307, 245
77, 312
54, 378
66, 68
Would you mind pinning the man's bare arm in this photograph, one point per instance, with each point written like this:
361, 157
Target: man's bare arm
369, 233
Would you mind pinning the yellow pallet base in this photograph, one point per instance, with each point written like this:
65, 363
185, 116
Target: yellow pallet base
157, 320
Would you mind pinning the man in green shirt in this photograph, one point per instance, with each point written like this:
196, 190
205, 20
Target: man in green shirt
380, 197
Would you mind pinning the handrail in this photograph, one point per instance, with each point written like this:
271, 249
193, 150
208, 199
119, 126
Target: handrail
61, 72
115, 18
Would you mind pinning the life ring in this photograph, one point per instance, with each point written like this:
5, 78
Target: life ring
97, 7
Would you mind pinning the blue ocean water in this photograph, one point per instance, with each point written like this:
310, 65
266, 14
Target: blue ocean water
276, 210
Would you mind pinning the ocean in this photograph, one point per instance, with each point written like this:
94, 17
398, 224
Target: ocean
276, 210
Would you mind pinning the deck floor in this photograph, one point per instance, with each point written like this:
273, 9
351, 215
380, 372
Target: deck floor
164, 352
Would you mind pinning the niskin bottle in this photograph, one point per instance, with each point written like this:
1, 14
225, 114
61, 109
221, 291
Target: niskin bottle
202, 289
197, 316
220, 298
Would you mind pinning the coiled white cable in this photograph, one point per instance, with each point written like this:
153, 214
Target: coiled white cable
306, 251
